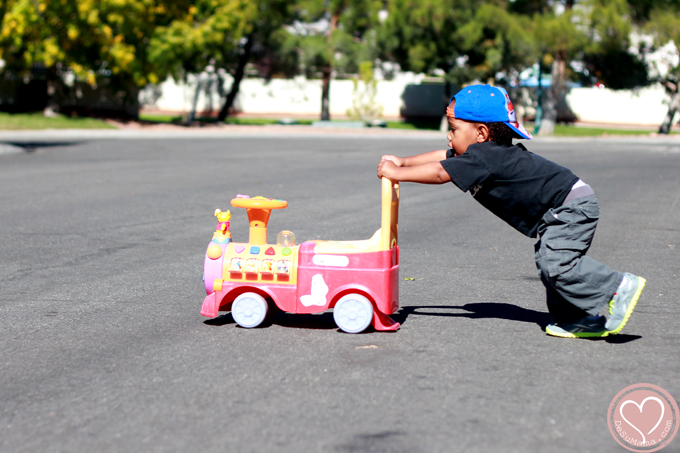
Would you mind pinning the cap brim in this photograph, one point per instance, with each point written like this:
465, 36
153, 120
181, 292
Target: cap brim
519, 130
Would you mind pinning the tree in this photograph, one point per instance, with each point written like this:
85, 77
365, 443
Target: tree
222, 34
664, 24
593, 33
609, 45
559, 40
423, 37
499, 46
464, 40
102, 42
330, 35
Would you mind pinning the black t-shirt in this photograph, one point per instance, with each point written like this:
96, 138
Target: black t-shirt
513, 183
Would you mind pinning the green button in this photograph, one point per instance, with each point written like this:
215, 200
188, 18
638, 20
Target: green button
286, 251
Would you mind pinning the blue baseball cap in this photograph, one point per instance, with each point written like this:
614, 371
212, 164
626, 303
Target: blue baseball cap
486, 104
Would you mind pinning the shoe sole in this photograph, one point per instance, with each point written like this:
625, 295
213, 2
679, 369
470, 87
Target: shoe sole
631, 306
602, 334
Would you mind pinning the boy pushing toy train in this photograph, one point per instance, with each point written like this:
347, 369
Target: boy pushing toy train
535, 196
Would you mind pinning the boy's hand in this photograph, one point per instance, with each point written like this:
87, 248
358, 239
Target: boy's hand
386, 168
389, 162
398, 161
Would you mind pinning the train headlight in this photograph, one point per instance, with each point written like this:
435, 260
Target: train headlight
214, 251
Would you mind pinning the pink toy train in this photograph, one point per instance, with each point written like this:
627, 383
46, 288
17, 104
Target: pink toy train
359, 280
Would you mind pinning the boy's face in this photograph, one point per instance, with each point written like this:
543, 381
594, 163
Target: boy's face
463, 134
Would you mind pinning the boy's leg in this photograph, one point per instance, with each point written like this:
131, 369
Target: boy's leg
560, 310
577, 282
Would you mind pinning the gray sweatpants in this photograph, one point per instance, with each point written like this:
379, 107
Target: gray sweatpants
576, 284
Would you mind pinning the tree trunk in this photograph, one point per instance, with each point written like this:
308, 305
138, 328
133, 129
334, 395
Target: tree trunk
325, 93
444, 124
673, 107
549, 113
327, 72
52, 109
238, 76
553, 95
556, 90
538, 118
192, 114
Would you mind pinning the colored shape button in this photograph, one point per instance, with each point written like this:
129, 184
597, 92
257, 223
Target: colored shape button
255, 250
286, 251
270, 251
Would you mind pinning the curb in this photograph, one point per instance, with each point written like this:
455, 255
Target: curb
270, 131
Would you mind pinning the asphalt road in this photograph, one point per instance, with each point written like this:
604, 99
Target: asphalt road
103, 347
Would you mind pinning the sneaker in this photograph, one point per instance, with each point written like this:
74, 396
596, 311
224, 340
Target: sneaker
624, 301
588, 327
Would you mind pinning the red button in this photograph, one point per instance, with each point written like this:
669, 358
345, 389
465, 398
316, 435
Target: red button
270, 251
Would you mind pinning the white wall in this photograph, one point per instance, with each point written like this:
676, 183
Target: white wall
300, 97
405, 96
647, 106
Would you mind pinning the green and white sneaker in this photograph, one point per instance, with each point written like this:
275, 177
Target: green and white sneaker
624, 301
588, 327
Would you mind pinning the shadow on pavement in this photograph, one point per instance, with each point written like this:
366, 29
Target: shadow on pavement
478, 310
221, 320
621, 339
32, 146
496, 310
324, 321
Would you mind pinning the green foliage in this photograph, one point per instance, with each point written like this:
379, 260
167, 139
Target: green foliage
135, 42
211, 32
28, 121
337, 34
94, 38
641, 10
664, 24
422, 35
466, 39
555, 33
499, 40
609, 24
208, 30
608, 49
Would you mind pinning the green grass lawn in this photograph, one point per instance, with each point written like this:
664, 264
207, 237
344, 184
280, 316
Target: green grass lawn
567, 130
230, 120
241, 121
36, 120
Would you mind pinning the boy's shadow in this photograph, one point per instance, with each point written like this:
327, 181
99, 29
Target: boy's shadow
492, 310
476, 310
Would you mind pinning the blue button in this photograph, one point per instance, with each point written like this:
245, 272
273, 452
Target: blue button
254, 250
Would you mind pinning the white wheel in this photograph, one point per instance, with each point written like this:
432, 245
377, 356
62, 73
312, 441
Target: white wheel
249, 310
353, 313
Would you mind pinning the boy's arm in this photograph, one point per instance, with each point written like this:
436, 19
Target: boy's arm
426, 173
432, 156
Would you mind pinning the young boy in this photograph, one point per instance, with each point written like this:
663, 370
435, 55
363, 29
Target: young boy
536, 197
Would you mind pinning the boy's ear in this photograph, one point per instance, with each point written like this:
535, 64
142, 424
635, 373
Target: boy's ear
483, 133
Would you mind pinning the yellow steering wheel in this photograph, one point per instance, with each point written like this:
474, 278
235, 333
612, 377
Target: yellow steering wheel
259, 209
